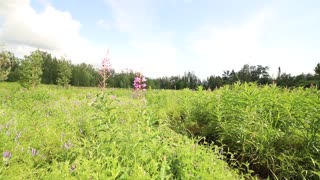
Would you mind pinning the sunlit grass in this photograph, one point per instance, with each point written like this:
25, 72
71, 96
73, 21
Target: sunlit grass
56, 133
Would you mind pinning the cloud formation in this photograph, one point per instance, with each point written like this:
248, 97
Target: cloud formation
152, 53
23, 29
157, 46
225, 48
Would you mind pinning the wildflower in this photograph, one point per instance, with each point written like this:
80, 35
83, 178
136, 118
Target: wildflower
106, 65
17, 136
34, 152
139, 82
73, 168
67, 145
105, 71
7, 155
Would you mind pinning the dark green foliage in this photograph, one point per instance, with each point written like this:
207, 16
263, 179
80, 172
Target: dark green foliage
153, 84
188, 80
121, 80
317, 69
31, 70
64, 72
14, 74
84, 75
49, 68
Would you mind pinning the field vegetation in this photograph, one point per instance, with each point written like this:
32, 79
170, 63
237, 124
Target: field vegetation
241, 131
243, 125
81, 133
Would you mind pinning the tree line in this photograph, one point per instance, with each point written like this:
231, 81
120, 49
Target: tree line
42, 67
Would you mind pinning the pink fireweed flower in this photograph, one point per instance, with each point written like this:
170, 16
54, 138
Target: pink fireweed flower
106, 65
105, 71
139, 82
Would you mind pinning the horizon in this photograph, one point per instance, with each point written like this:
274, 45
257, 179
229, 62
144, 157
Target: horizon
170, 37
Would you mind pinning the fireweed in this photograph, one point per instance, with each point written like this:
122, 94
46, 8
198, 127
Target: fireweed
139, 82
139, 85
105, 71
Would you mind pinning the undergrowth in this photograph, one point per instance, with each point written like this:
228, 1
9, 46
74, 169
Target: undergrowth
267, 131
82, 133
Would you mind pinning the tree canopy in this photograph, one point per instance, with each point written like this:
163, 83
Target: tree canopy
42, 67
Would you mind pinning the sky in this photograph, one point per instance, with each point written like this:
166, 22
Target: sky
168, 37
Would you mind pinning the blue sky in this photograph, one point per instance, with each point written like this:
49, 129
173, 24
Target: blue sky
168, 37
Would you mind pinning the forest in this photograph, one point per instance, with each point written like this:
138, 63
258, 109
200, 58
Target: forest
61, 71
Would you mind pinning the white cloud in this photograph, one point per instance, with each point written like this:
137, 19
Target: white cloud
24, 29
154, 54
211, 49
226, 48
156, 58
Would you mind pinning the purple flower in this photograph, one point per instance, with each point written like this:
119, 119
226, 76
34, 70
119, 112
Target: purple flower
139, 82
67, 145
34, 152
7, 155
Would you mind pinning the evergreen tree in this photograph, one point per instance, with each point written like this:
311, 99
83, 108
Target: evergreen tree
49, 68
317, 69
31, 70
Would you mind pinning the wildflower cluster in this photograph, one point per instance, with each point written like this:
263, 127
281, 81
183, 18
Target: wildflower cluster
105, 71
7, 155
139, 82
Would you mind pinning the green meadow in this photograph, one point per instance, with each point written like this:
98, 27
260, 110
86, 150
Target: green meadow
241, 131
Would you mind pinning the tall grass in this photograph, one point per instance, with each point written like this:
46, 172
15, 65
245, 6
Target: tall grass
55, 133
273, 131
